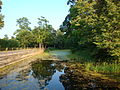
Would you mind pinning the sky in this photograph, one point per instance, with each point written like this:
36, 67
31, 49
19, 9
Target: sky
53, 10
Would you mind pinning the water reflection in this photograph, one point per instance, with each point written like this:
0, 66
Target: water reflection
23, 75
39, 75
53, 75
43, 71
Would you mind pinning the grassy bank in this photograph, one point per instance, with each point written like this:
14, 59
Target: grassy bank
91, 64
77, 77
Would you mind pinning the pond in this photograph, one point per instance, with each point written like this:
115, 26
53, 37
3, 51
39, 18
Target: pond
61, 74
39, 75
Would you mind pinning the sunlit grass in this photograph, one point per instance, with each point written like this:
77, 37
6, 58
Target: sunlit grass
103, 67
90, 64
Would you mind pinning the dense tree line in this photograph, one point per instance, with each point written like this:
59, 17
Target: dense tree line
94, 25
7, 43
42, 35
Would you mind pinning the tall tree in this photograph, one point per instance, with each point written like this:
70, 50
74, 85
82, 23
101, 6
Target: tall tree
43, 31
95, 23
23, 34
23, 23
108, 15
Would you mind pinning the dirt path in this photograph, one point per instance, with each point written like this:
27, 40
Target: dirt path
7, 53
12, 56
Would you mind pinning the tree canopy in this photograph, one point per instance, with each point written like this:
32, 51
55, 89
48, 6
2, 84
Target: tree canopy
94, 23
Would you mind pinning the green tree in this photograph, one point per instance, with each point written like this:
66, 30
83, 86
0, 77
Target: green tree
6, 37
94, 23
39, 35
108, 15
25, 38
1, 16
43, 32
23, 23
1, 21
24, 34
59, 39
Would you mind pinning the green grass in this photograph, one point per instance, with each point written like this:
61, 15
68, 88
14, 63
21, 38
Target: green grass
90, 64
103, 67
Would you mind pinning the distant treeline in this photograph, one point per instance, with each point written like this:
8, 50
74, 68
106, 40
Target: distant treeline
42, 35
11, 43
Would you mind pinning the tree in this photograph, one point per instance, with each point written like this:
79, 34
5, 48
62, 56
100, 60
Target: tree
42, 32
39, 35
1, 16
24, 34
59, 39
108, 12
0, 5
23, 23
94, 23
6, 37
8, 43
25, 37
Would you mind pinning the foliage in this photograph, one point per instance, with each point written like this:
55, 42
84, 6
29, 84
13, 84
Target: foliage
23, 34
90, 64
59, 40
11, 43
25, 38
94, 24
104, 67
1, 17
43, 33
23, 23
1, 21
6, 37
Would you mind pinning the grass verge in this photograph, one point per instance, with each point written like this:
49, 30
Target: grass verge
91, 64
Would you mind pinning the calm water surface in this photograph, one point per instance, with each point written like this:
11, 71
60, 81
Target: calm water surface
39, 75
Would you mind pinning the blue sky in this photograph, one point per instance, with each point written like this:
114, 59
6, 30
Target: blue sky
53, 10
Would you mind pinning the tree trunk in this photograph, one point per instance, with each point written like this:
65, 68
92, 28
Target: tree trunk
40, 45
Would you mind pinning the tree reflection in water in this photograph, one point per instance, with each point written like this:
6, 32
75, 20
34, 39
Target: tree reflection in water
44, 70
39, 75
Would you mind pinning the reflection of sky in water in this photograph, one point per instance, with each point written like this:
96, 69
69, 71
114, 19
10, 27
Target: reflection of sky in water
26, 80
15, 82
54, 84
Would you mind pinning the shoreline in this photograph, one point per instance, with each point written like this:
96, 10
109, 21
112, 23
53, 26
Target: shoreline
29, 58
